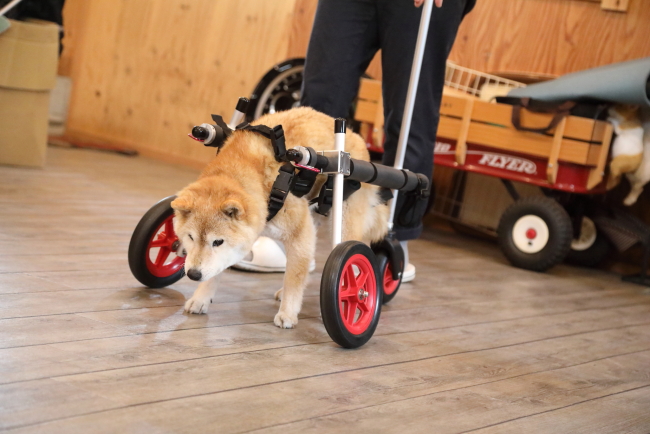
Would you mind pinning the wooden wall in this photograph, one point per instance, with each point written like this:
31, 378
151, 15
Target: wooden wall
550, 36
144, 71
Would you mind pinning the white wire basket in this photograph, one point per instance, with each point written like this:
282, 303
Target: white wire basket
476, 83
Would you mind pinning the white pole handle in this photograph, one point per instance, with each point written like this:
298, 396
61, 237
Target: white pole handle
337, 199
402, 143
11, 4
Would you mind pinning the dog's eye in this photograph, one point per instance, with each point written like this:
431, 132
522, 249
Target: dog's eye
190, 237
217, 243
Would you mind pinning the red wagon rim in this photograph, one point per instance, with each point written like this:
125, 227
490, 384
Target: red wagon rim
390, 284
162, 246
357, 294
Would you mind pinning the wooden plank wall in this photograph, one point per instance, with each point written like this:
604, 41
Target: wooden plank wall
550, 36
144, 71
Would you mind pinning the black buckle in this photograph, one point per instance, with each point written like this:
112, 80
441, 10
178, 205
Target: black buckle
278, 143
304, 182
281, 188
325, 197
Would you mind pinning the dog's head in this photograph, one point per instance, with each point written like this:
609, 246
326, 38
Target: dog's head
216, 224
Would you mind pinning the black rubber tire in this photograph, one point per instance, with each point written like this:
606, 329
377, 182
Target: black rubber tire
559, 227
593, 255
271, 91
264, 92
139, 246
329, 295
382, 263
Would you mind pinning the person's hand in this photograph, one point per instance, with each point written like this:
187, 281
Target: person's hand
418, 3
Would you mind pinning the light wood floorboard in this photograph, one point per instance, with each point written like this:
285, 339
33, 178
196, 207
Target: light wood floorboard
473, 345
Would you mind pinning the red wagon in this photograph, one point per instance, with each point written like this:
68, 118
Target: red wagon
565, 156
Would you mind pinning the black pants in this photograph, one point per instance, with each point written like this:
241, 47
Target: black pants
345, 37
48, 10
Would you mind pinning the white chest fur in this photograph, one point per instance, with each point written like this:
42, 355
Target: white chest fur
629, 141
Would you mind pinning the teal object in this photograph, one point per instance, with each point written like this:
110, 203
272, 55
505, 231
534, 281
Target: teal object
624, 83
4, 24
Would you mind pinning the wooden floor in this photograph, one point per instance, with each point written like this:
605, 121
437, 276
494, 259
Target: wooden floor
473, 345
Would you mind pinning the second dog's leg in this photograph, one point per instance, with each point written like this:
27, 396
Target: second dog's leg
202, 297
300, 246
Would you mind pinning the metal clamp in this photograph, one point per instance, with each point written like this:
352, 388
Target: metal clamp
339, 162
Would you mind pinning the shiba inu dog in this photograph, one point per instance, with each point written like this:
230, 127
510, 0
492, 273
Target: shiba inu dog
219, 217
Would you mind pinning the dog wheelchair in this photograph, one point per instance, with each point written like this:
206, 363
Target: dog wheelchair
357, 279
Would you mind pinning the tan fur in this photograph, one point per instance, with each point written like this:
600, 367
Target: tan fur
621, 165
627, 149
627, 115
229, 202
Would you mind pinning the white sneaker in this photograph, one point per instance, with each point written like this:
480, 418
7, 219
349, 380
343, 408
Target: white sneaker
266, 256
409, 273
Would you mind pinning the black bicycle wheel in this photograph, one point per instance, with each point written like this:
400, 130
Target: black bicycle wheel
278, 90
350, 295
152, 250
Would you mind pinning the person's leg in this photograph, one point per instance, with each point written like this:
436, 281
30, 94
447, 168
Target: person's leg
399, 24
343, 41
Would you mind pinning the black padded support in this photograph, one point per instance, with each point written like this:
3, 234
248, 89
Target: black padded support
384, 176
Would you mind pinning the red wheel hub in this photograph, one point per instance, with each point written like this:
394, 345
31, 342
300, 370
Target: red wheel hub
531, 234
161, 247
357, 294
390, 285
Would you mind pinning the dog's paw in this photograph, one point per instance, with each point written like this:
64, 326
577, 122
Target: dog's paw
278, 295
197, 305
285, 321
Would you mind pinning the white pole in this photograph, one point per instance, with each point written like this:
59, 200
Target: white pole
337, 199
239, 114
236, 119
402, 143
11, 4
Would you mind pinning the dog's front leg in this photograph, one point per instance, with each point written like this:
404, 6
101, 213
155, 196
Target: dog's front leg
202, 297
300, 248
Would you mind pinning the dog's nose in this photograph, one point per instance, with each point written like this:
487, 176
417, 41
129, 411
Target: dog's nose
194, 274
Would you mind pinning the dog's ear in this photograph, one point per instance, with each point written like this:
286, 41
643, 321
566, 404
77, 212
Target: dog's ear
233, 209
183, 204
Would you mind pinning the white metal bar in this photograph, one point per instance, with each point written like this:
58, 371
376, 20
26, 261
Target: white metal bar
337, 199
236, 119
410, 97
11, 4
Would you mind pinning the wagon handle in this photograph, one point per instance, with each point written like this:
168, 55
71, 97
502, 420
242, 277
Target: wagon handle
560, 113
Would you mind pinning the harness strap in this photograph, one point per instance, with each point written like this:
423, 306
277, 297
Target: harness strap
275, 134
281, 188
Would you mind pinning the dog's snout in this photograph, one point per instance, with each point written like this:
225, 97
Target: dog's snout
194, 274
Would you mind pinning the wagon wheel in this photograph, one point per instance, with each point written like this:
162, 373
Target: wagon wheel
535, 233
590, 248
152, 250
350, 296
